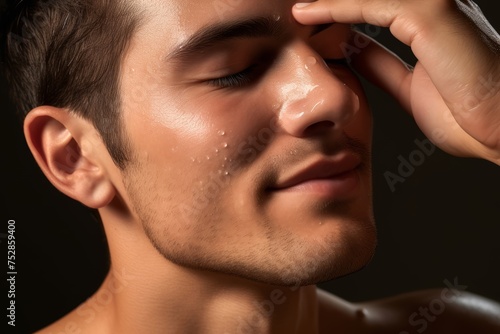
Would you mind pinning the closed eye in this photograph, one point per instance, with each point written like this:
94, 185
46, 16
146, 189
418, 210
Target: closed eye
236, 80
251, 74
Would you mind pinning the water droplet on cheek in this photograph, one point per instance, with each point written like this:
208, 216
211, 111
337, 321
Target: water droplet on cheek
276, 17
221, 133
225, 145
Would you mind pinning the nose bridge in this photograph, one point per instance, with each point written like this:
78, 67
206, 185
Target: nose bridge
310, 93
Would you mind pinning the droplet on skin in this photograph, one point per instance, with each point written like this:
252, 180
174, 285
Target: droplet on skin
208, 157
276, 17
225, 145
222, 133
310, 62
216, 150
226, 173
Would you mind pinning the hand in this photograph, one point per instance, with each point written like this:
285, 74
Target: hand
454, 90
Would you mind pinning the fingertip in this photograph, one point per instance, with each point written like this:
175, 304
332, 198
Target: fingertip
302, 5
311, 13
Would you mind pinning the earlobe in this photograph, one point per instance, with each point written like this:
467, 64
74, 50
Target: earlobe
56, 139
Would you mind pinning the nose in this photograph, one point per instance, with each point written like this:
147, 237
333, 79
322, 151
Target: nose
312, 98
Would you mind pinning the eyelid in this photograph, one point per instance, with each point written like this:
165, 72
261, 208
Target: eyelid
234, 80
249, 75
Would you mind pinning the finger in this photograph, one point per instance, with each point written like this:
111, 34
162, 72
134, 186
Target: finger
309, 13
381, 67
380, 13
423, 25
436, 30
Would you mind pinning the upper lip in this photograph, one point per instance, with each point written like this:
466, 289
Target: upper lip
320, 169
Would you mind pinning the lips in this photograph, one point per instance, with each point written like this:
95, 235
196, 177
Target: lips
331, 169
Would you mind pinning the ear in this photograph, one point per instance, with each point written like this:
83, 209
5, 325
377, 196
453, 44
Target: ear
69, 153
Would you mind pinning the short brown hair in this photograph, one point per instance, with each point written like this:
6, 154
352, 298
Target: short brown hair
68, 54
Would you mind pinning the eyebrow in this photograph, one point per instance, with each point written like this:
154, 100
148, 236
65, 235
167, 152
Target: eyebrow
214, 34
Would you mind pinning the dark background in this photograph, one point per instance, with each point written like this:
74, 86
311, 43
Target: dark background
442, 223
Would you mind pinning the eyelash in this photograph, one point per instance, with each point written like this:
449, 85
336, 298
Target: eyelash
246, 76
235, 80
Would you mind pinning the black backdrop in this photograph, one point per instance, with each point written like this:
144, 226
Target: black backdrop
442, 223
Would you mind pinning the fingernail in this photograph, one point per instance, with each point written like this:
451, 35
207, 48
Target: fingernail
300, 5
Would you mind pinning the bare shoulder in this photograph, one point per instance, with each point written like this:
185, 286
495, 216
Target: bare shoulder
433, 311
79, 321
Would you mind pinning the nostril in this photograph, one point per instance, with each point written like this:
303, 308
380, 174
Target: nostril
319, 128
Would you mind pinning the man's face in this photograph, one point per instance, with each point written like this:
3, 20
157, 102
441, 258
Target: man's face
251, 155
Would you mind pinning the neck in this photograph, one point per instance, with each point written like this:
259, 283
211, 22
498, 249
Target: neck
151, 294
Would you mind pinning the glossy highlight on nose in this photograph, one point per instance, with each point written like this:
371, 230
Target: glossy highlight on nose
293, 94
311, 94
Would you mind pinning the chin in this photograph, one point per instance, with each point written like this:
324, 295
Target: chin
342, 244
339, 260
317, 260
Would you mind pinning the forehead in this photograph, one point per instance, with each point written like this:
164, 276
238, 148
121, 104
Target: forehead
177, 20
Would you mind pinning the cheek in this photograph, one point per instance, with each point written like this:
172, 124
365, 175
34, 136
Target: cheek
195, 149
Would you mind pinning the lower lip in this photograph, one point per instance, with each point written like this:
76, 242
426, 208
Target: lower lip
338, 187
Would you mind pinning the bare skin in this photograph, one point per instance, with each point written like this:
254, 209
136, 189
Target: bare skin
259, 148
407, 313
